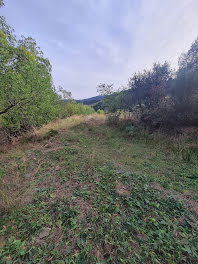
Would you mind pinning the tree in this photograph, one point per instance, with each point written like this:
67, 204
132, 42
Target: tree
149, 88
27, 95
66, 95
110, 97
184, 88
189, 60
105, 89
184, 92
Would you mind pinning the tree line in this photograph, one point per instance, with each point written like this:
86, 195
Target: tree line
28, 97
160, 96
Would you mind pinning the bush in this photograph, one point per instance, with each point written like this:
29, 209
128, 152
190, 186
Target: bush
159, 97
130, 131
67, 109
100, 112
113, 119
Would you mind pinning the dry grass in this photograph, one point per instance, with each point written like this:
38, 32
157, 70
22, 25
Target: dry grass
103, 195
59, 124
34, 139
62, 124
13, 187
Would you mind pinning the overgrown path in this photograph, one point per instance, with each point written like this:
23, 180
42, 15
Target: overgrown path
85, 193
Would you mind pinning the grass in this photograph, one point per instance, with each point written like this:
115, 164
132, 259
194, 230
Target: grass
105, 197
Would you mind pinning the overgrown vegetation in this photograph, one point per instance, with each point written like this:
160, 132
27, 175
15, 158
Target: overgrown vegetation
160, 97
77, 190
27, 95
93, 194
72, 108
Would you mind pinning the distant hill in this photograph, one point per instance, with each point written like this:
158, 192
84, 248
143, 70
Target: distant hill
91, 100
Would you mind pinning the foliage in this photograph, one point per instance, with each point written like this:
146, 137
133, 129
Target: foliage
66, 95
149, 88
185, 87
105, 89
160, 96
91, 101
27, 95
113, 101
108, 200
70, 108
100, 112
189, 59
98, 105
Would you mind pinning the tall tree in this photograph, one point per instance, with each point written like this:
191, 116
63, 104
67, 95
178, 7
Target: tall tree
189, 60
27, 95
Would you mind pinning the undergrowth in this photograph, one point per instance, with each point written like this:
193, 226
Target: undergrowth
93, 189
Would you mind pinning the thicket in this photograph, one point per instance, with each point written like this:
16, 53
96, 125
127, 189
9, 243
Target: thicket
159, 97
72, 108
27, 94
28, 97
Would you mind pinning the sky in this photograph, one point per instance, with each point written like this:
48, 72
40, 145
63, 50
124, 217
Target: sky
89, 42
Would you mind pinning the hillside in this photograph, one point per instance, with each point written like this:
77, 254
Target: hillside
80, 191
91, 100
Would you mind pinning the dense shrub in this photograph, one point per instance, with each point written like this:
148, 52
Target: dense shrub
72, 108
159, 97
27, 95
100, 112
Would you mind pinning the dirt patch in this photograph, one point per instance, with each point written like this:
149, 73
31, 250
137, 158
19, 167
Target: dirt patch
97, 252
56, 236
162, 192
142, 237
64, 190
121, 189
83, 205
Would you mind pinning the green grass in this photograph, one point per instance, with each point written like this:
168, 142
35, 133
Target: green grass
94, 188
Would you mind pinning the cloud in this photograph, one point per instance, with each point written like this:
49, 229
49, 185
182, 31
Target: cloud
94, 41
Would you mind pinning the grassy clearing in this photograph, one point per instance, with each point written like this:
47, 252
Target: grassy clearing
88, 194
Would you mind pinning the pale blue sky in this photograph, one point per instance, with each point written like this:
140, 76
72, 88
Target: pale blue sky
94, 41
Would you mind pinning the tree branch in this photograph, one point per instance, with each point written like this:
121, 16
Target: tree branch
7, 109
